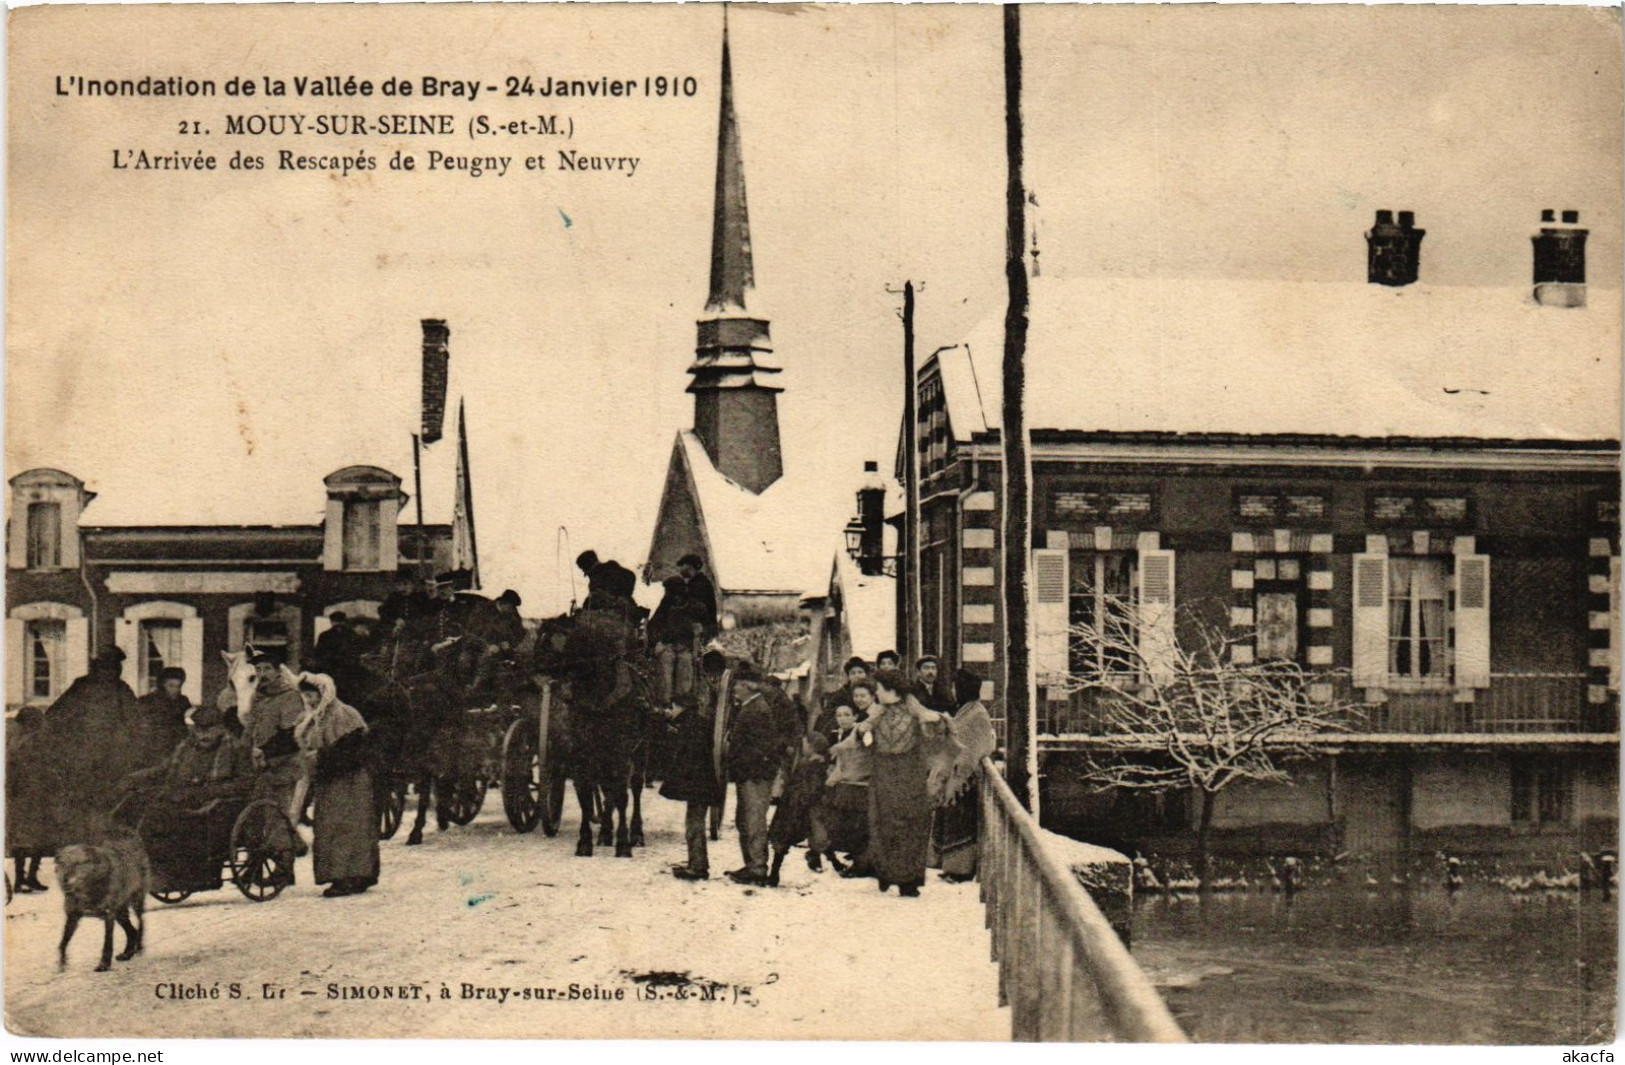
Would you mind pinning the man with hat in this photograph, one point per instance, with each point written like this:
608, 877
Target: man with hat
691, 774
930, 687
160, 723
494, 630
609, 584
762, 737
699, 596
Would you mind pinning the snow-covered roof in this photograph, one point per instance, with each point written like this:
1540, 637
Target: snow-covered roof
765, 542
868, 606
1332, 358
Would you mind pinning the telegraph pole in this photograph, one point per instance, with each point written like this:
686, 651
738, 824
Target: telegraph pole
1017, 512
910, 648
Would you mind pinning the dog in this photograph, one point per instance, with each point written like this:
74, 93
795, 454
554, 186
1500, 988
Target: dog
108, 880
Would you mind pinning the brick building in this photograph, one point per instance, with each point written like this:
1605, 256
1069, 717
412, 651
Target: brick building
1412, 487
178, 595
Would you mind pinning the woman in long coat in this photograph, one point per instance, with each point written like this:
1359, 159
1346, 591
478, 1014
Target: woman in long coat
346, 848
954, 783
28, 808
900, 807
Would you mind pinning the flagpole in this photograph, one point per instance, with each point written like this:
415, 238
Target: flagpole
417, 488
467, 490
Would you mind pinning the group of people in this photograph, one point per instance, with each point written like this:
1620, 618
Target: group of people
881, 772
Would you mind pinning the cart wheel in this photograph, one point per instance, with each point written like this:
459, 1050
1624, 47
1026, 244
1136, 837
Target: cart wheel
464, 797
171, 897
557, 781
389, 799
262, 851
521, 777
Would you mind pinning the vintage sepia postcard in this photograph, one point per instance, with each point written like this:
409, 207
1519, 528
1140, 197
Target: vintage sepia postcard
1114, 537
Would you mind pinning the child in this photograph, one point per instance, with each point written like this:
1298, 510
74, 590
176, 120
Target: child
792, 821
841, 819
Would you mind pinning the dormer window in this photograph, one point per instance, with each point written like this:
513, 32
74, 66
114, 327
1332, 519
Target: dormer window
363, 507
362, 534
44, 535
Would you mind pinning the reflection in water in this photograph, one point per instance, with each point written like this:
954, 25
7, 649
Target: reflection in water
1348, 965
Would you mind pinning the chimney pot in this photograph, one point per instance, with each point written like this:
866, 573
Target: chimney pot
1560, 262
1548, 215
1394, 253
871, 466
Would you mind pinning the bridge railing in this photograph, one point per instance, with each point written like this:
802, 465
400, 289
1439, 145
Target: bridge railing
1063, 972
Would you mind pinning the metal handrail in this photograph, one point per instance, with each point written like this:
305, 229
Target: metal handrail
1062, 970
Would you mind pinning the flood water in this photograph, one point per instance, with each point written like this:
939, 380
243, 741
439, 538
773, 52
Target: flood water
1345, 965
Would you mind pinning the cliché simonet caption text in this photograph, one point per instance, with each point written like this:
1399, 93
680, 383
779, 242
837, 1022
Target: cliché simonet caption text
347, 124
649, 987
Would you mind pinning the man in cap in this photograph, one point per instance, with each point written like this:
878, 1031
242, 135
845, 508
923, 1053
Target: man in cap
930, 687
699, 595
274, 710
609, 584
494, 629
762, 736
691, 776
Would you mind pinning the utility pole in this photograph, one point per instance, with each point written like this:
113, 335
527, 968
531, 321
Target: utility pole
1017, 512
910, 648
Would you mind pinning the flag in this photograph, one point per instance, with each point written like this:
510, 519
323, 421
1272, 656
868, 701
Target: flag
465, 552
436, 368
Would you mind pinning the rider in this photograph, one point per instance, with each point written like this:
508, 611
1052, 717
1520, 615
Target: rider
609, 584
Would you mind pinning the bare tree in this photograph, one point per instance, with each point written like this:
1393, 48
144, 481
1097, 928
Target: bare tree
1187, 713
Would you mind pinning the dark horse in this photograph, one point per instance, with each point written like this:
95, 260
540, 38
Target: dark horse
594, 656
413, 705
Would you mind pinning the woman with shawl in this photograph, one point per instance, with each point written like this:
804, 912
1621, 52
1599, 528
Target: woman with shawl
334, 734
953, 783
898, 736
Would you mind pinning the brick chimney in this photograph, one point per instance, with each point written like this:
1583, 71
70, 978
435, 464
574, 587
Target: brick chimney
1560, 260
436, 363
1394, 250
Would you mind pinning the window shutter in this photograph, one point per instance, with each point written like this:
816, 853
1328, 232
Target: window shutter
1051, 619
1613, 624
192, 658
75, 650
1157, 612
1472, 621
1370, 621
16, 650
126, 636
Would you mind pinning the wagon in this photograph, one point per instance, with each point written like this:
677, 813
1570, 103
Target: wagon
245, 840
533, 773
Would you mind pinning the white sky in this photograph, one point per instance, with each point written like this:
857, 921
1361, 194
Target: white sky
206, 348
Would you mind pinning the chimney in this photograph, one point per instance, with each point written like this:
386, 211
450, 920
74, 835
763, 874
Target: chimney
1560, 260
436, 360
872, 521
1394, 250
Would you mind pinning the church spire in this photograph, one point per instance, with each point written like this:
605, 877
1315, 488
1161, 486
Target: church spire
731, 270
736, 414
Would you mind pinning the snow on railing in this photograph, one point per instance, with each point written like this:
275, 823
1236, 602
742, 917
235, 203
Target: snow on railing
1062, 970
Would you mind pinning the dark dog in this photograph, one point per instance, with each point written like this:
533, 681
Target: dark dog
107, 880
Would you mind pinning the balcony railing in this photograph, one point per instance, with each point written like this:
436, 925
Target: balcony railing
1514, 703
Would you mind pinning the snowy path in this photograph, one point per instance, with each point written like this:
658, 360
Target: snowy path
818, 958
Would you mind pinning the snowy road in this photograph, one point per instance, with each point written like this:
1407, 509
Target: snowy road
481, 909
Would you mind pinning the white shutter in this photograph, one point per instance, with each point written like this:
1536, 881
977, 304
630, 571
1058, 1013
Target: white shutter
1370, 621
1613, 624
192, 658
1051, 620
127, 637
1472, 621
75, 650
1157, 612
16, 655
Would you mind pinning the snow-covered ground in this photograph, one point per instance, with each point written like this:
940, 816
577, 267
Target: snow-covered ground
480, 909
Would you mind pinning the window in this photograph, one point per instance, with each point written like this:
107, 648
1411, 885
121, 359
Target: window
1542, 792
363, 534
44, 535
933, 425
160, 647
267, 634
1278, 605
1418, 619
45, 642
1102, 598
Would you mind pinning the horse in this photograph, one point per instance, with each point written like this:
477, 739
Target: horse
608, 715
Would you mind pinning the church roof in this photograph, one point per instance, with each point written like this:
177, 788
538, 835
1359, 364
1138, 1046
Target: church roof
1278, 357
767, 542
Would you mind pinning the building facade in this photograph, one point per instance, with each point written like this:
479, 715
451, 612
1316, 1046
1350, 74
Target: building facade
1414, 491
180, 595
